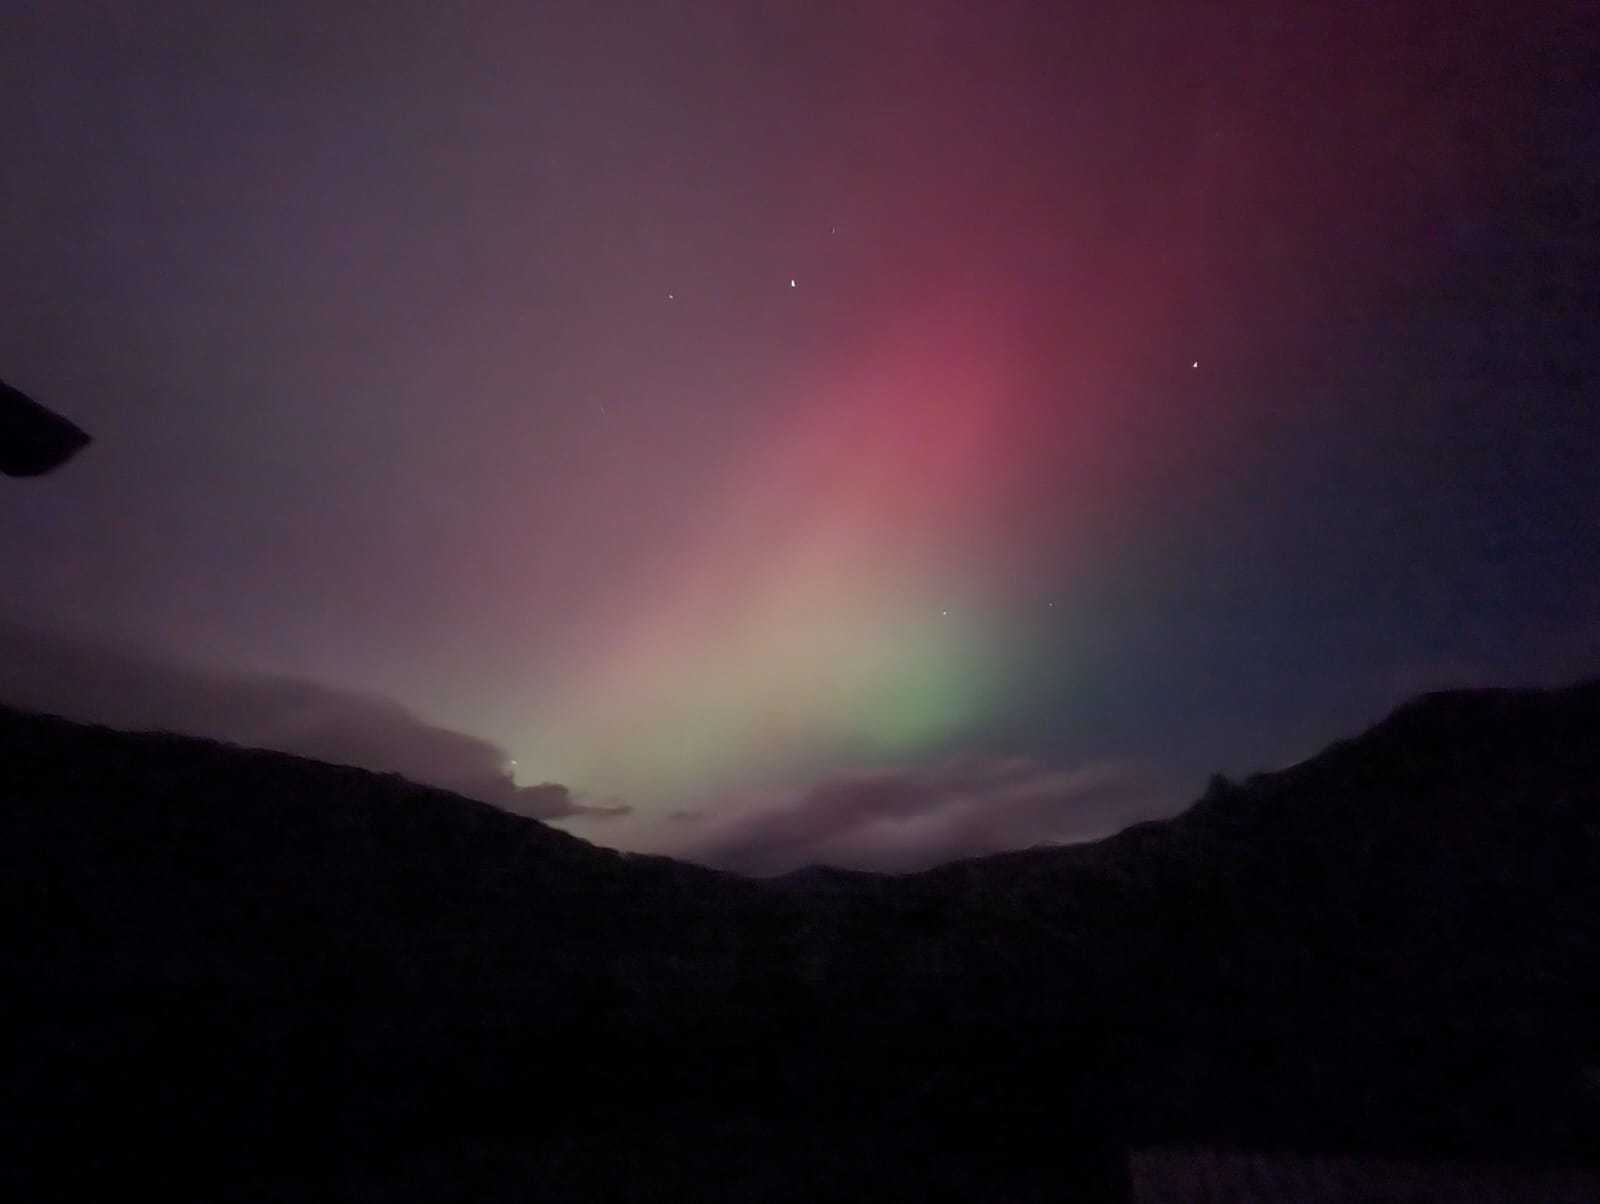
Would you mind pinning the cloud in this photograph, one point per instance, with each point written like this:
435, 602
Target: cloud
550, 800
908, 819
132, 689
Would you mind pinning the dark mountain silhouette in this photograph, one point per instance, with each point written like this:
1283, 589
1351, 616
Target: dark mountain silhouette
34, 440
238, 974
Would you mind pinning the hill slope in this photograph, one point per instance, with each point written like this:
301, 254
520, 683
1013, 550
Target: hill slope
1395, 943
230, 966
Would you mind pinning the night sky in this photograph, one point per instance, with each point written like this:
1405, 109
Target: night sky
871, 433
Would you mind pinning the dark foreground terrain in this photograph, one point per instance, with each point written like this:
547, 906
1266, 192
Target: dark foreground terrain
231, 974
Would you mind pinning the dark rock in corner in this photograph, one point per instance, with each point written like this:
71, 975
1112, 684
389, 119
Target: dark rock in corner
34, 440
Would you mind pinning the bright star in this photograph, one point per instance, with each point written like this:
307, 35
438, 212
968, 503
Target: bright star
791, 283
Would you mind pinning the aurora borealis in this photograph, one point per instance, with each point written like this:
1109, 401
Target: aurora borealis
705, 405
831, 592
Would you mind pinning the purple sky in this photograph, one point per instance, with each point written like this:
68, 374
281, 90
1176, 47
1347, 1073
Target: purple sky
865, 433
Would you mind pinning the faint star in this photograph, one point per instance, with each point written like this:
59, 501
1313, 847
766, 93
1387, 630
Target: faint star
791, 283
1196, 364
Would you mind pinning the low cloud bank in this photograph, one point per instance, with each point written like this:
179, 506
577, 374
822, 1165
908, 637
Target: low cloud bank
898, 819
129, 689
909, 819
